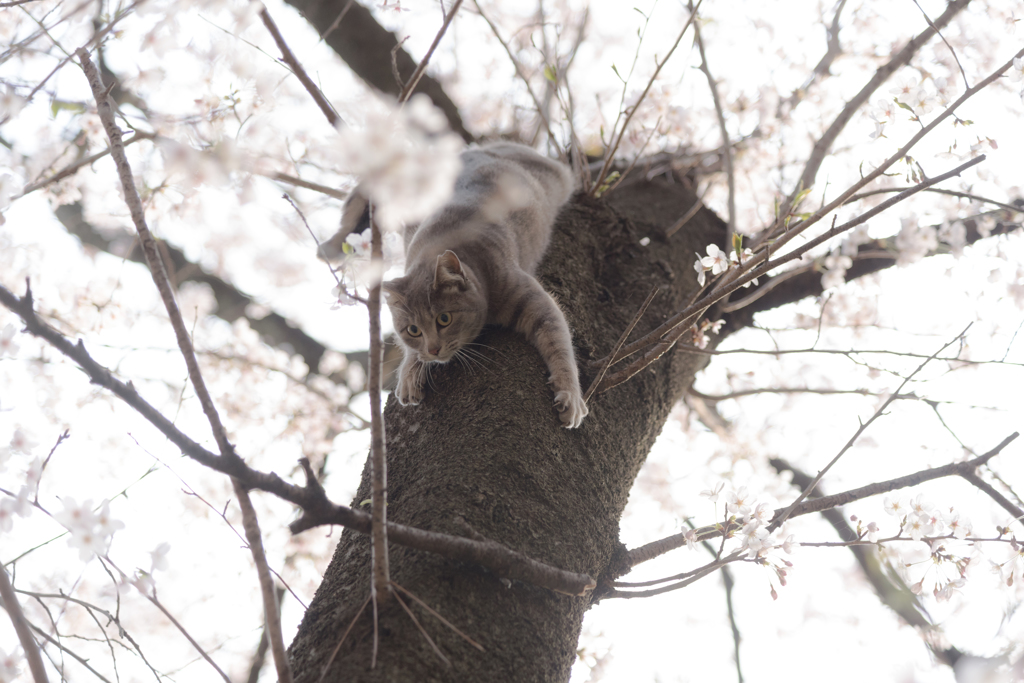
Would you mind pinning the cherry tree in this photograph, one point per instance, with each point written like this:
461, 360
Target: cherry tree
793, 274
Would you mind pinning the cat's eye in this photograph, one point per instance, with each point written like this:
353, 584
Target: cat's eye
413, 331
444, 319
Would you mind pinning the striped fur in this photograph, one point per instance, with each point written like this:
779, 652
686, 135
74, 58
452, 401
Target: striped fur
474, 261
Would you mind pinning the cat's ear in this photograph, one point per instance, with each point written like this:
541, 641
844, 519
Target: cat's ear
449, 272
393, 290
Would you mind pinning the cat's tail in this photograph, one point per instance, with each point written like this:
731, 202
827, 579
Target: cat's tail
355, 218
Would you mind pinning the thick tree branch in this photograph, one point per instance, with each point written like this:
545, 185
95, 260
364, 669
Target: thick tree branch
899, 60
274, 329
872, 257
366, 47
660, 547
317, 509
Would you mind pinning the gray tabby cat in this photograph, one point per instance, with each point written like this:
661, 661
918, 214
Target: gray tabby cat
471, 264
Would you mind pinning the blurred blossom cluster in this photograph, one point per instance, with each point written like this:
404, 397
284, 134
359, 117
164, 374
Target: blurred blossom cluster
406, 162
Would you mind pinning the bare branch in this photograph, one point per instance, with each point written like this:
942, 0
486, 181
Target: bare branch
900, 59
163, 284
726, 145
661, 546
21, 627
317, 509
951, 50
519, 71
414, 80
618, 345
610, 152
778, 520
381, 585
288, 57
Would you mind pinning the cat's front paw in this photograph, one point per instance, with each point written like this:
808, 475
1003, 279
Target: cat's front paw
571, 408
409, 389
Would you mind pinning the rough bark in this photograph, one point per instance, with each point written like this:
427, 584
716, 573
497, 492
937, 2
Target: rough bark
486, 447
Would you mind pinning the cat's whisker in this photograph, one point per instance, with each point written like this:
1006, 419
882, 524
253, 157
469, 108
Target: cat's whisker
487, 346
477, 357
465, 357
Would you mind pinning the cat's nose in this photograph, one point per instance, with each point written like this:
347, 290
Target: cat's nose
434, 351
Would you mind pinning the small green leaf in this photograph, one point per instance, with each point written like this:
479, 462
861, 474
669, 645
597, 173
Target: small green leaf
737, 244
364, 502
550, 73
800, 197
57, 106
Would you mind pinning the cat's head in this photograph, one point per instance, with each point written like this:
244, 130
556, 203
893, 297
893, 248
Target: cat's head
437, 311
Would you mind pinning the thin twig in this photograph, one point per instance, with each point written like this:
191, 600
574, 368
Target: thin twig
163, 284
778, 520
824, 143
519, 70
188, 636
334, 652
757, 267
430, 641
422, 67
80, 164
378, 459
952, 51
289, 58
317, 509
22, 628
658, 548
610, 153
437, 616
271, 612
622, 340
726, 145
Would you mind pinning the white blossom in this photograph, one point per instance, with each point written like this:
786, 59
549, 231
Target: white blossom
699, 267
1016, 71
712, 493
919, 526
717, 261
755, 538
404, 162
9, 666
691, 538
836, 266
22, 442
7, 345
914, 241
158, 557
894, 506
738, 502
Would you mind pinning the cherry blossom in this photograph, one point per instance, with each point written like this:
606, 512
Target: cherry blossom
960, 528
712, 493
21, 442
7, 345
9, 665
738, 502
835, 270
699, 267
404, 159
919, 526
691, 538
894, 506
158, 557
717, 261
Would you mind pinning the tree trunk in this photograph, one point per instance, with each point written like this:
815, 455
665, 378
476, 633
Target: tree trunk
485, 449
